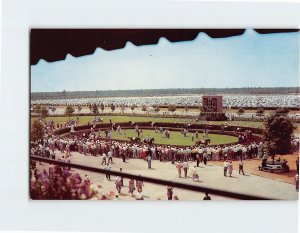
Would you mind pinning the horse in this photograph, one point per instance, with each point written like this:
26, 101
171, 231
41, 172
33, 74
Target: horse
149, 141
134, 139
204, 142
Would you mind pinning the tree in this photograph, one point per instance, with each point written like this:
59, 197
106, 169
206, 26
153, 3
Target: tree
69, 111
186, 108
132, 107
144, 108
260, 111
112, 107
95, 109
37, 131
79, 108
241, 111
172, 108
282, 111
278, 134
37, 109
44, 112
156, 108
102, 107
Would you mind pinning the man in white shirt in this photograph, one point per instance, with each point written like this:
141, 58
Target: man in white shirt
225, 167
107, 167
109, 155
185, 168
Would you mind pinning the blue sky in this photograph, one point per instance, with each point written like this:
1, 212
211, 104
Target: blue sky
249, 60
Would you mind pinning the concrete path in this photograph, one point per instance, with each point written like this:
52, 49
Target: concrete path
210, 176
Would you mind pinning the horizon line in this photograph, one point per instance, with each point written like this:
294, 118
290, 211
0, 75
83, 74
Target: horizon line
193, 88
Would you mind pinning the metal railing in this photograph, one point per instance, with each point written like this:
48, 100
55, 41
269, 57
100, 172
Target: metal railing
174, 184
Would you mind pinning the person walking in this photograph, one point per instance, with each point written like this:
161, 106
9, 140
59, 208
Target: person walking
179, 168
121, 177
139, 185
109, 155
198, 159
241, 167
107, 167
104, 159
225, 167
131, 186
185, 168
230, 168
149, 158
205, 158
123, 157
118, 184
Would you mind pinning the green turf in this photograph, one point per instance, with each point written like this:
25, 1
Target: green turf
85, 119
176, 138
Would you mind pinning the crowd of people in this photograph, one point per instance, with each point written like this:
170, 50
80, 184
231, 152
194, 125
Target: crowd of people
93, 144
96, 144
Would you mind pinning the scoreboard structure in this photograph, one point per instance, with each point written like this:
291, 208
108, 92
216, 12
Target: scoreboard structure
212, 103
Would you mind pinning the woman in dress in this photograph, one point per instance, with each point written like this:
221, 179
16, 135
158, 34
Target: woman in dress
179, 167
139, 186
118, 184
131, 186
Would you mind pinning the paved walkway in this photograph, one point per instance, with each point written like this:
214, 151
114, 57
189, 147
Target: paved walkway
210, 176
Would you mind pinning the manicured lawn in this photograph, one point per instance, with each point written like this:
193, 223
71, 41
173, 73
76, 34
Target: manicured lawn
176, 138
85, 119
